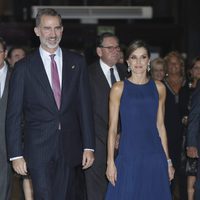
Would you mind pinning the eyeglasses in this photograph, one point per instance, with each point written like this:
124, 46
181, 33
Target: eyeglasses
111, 48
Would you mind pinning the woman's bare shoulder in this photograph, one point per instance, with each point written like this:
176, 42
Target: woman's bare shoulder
118, 87
161, 88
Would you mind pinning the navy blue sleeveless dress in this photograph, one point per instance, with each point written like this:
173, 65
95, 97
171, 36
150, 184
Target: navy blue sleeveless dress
142, 170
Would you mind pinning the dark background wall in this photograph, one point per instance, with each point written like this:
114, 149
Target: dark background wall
174, 26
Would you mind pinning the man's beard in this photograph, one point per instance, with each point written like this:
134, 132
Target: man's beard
50, 46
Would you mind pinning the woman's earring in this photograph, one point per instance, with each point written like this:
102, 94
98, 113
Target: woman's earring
129, 69
148, 67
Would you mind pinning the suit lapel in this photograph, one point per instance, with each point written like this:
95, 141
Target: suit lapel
101, 77
67, 73
41, 76
5, 91
64, 78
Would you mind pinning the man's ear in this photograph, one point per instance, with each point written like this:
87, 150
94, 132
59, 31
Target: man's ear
36, 31
62, 28
98, 51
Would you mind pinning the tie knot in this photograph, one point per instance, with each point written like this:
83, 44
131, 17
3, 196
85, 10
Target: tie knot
111, 70
52, 56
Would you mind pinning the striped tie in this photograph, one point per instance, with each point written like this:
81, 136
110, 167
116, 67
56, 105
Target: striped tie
55, 81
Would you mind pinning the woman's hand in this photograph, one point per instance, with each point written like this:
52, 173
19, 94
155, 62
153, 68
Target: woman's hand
171, 172
111, 173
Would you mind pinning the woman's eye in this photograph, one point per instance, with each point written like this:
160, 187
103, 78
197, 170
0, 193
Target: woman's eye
144, 57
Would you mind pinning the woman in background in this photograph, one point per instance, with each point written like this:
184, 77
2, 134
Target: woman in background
175, 108
158, 70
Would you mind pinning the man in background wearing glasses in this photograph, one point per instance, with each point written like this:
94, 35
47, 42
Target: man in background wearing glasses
103, 73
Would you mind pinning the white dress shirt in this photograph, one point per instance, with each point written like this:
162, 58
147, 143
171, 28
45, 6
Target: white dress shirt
106, 71
47, 63
3, 74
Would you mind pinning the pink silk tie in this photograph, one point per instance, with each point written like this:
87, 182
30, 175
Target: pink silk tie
55, 81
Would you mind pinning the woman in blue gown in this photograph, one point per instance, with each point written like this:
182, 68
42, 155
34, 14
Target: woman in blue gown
142, 169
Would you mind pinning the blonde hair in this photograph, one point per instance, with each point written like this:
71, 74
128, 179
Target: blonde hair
180, 59
158, 61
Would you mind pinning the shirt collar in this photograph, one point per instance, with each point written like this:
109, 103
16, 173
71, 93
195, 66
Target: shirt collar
4, 69
47, 54
105, 67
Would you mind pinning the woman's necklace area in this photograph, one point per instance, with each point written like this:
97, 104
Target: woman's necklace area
175, 81
139, 82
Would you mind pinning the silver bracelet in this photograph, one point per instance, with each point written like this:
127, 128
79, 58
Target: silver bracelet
169, 161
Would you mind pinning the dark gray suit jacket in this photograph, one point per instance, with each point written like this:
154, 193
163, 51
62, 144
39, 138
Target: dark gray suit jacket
95, 176
193, 135
100, 96
5, 167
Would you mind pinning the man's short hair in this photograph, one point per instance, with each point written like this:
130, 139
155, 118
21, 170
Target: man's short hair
104, 35
3, 43
47, 12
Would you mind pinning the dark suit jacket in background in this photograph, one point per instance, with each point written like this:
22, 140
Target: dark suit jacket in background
193, 135
95, 176
31, 94
5, 167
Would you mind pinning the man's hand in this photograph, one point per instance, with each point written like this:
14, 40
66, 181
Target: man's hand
19, 166
192, 152
88, 159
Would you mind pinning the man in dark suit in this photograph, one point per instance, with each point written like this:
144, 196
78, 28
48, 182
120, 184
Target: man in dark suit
193, 136
5, 167
101, 80
50, 87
